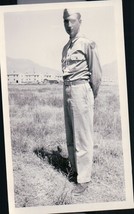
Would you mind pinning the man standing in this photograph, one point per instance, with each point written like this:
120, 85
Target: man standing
78, 101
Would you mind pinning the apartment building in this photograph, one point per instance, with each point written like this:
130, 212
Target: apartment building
19, 78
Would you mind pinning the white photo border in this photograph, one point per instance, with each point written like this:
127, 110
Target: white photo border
129, 203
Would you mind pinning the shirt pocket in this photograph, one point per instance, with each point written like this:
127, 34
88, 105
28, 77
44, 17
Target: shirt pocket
77, 57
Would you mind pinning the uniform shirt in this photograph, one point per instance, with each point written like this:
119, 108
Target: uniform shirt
76, 59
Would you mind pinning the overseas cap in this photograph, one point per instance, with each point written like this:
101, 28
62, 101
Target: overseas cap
69, 12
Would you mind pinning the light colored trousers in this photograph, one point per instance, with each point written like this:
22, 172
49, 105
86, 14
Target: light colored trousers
78, 112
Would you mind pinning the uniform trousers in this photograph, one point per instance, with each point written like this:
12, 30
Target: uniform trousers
78, 113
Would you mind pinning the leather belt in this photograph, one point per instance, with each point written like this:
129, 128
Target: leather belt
75, 82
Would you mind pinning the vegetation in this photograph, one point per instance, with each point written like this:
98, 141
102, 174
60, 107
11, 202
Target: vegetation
40, 162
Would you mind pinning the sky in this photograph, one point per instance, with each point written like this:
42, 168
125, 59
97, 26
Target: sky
40, 35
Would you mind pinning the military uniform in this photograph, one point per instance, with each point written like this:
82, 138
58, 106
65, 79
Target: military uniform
78, 105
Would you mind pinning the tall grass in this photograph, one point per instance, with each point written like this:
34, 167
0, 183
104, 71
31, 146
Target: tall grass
107, 120
37, 121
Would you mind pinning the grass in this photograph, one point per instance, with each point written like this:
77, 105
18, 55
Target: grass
37, 130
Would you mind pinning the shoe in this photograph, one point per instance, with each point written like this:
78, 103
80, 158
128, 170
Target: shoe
80, 188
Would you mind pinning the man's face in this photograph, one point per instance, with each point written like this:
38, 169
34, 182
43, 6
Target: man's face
72, 25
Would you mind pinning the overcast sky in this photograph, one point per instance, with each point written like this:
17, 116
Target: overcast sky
40, 35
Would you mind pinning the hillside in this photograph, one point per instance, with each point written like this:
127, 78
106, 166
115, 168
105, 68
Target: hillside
110, 72
27, 66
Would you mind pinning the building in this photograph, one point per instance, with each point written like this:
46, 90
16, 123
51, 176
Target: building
34, 78
13, 78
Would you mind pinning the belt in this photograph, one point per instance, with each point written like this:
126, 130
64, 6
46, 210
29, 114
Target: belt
75, 82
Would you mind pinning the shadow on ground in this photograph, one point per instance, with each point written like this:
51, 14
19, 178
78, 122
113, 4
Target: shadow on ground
55, 159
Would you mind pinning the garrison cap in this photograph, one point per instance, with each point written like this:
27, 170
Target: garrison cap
69, 12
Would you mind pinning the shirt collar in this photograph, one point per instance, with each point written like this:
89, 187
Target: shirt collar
75, 38
71, 41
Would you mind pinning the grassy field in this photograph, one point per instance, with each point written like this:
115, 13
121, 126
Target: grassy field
39, 150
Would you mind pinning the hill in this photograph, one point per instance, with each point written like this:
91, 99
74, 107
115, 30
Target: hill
110, 72
28, 66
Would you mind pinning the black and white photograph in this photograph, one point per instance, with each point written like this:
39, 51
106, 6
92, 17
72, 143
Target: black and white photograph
65, 107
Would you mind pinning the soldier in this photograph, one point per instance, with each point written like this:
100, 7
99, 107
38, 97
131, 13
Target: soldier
78, 101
